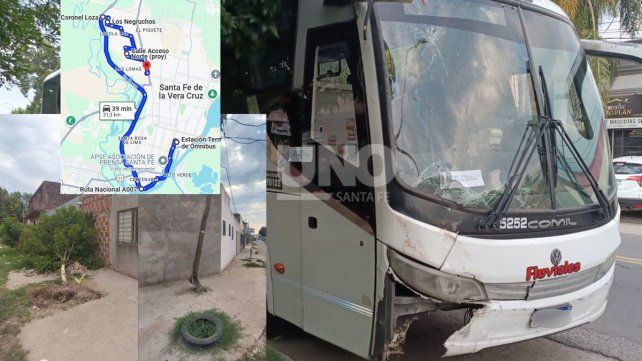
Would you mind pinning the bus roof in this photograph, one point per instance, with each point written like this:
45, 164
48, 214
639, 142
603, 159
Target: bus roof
549, 5
52, 75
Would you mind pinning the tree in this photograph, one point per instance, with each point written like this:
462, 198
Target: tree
65, 242
64, 237
13, 204
199, 246
246, 28
10, 231
29, 45
263, 231
586, 14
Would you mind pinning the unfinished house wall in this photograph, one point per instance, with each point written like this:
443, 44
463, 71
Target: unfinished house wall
100, 207
168, 228
47, 197
123, 251
228, 236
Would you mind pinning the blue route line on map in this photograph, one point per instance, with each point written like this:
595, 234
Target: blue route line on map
105, 20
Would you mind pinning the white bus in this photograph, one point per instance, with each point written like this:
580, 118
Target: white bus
439, 155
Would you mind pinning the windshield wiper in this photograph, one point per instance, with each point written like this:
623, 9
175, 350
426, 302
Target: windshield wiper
550, 143
522, 159
518, 166
557, 126
607, 209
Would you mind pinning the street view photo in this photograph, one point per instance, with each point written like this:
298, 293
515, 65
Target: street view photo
139, 272
202, 257
62, 285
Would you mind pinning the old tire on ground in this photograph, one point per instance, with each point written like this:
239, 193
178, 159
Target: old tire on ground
203, 342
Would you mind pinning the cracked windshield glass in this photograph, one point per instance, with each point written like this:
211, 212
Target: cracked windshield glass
460, 107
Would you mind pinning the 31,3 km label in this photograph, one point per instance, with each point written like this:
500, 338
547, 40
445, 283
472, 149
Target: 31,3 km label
117, 111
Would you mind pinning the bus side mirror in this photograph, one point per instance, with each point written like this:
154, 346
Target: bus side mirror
51, 94
624, 51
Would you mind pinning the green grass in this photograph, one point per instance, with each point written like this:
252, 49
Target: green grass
14, 311
15, 353
10, 260
254, 263
15, 303
269, 354
231, 332
201, 328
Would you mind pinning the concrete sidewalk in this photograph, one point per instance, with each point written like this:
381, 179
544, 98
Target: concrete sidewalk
104, 329
238, 291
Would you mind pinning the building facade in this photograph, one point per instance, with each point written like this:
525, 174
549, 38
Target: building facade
153, 237
624, 109
100, 207
230, 230
46, 198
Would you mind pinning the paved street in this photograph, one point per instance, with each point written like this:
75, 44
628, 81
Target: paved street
616, 335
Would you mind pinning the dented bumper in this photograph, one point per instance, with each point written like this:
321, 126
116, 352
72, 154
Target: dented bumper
502, 322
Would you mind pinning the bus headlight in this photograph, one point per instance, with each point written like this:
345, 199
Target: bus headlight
605, 267
434, 283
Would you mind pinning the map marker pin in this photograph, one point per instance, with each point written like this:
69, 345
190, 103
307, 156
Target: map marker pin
146, 65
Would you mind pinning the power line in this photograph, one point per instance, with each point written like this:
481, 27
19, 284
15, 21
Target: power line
244, 140
247, 124
238, 140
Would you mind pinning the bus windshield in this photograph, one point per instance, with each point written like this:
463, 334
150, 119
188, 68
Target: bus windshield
462, 101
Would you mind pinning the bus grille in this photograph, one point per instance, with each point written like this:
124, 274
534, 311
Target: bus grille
534, 290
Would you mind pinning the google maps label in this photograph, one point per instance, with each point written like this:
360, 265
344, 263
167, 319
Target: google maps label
184, 91
79, 17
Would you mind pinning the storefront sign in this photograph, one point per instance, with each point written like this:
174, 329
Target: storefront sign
624, 112
624, 123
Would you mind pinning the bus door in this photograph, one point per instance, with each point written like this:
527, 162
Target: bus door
337, 207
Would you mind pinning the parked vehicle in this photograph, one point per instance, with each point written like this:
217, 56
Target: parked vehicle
51, 94
439, 155
628, 172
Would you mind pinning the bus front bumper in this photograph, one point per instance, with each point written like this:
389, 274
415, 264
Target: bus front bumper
502, 322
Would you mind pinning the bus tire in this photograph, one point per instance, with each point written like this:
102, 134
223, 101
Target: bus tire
276, 326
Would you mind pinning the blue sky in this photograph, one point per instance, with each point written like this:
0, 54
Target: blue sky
246, 166
11, 98
28, 151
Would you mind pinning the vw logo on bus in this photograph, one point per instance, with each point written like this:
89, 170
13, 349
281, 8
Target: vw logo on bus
556, 257
557, 269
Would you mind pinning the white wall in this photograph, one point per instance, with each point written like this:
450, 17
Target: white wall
228, 243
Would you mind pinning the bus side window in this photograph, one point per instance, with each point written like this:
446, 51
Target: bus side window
333, 121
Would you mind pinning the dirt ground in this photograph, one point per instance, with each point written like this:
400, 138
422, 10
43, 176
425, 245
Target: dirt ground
48, 299
108, 325
21, 278
238, 291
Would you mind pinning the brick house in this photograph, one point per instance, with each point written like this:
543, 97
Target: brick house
100, 206
46, 198
153, 237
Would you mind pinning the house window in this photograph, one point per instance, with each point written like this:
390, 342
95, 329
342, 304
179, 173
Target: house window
230, 229
223, 227
128, 226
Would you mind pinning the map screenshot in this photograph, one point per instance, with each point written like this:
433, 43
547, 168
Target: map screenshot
140, 96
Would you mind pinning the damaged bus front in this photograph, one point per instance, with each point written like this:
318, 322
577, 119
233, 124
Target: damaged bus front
485, 121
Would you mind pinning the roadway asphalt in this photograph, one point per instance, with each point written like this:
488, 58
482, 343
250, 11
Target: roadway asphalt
616, 335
